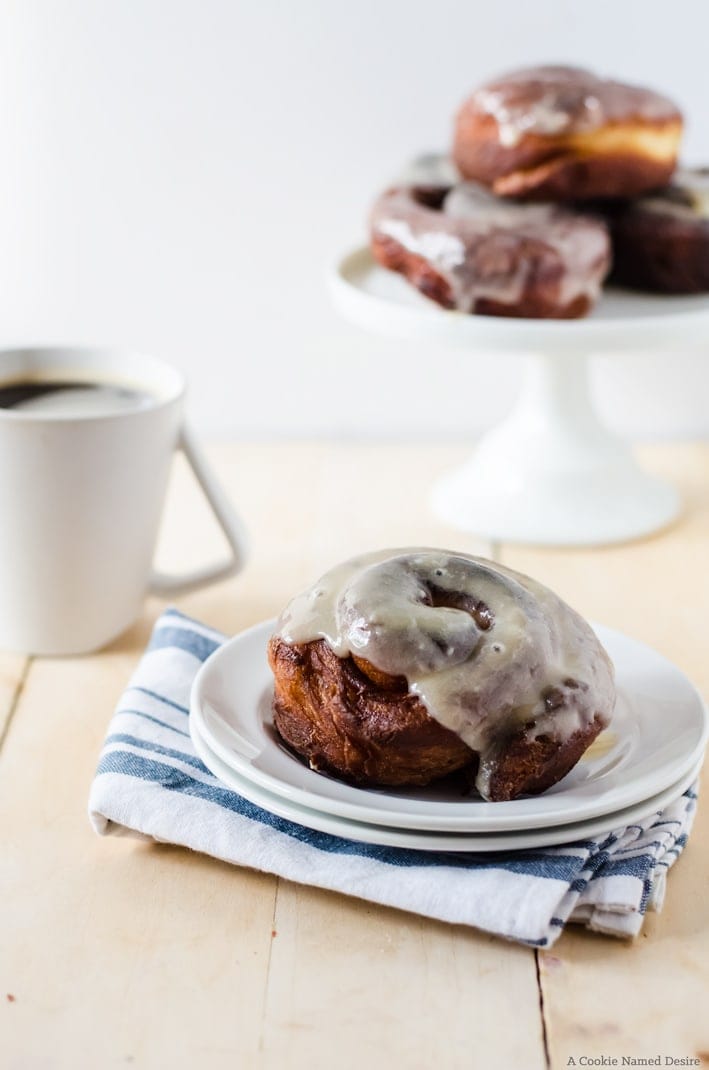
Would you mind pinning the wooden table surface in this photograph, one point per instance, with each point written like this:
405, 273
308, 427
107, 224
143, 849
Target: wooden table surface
115, 952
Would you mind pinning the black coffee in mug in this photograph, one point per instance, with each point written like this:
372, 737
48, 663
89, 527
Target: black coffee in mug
72, 397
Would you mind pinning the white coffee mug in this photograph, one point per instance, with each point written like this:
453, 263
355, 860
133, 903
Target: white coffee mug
80, 502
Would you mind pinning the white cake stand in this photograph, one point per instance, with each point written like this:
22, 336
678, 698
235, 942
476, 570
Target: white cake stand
550, 473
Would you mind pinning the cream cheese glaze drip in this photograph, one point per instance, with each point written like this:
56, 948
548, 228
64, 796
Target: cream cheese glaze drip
486, 649
475, 243
580, 242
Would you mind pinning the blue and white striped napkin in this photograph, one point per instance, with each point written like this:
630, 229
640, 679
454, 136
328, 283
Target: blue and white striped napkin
150, 783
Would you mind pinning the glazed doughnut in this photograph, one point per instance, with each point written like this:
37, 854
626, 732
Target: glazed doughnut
477, 253
661, 242
561, 133
401, 666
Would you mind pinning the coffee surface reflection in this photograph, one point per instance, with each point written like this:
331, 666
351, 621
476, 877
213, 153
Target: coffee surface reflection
72, 397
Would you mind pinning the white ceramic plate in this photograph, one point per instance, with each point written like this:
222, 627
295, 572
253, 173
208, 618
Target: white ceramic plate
384, 301
419, 840
658, 733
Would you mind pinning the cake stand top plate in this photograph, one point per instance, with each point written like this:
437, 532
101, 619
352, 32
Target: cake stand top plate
383, 301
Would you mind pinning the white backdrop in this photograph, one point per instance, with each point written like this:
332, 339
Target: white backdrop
176, 175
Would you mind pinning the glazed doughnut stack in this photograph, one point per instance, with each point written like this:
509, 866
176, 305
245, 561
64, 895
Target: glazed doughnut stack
557, 181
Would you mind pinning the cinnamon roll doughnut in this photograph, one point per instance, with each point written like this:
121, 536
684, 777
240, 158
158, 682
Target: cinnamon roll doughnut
468, 250
399, 667
661, 242
561, 133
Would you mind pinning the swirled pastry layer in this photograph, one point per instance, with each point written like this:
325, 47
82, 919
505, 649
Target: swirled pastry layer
495, 660
478, 253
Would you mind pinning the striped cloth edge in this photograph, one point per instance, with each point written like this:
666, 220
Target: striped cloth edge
150, 783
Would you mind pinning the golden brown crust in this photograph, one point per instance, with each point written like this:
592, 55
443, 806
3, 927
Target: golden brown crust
362, 726
529, 766
660, 253
556, 169
342, 722
395, 257
571, 176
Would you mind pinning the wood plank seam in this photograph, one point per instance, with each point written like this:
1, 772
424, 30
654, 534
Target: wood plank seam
15, 700
542, 1008
267, 978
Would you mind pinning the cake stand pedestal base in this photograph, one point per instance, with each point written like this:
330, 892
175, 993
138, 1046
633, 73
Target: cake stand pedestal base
551, 473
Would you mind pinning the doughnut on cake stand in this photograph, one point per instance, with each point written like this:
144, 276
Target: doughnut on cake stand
550, 473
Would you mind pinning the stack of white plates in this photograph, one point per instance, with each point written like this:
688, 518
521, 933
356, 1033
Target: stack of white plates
647, 758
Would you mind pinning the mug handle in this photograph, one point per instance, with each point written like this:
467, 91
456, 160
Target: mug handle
163, 583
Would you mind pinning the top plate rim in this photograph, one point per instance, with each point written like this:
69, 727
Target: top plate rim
368, 294
239, 671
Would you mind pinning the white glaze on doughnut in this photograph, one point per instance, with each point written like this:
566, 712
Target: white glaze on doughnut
543, 116
552, 101
481, 678
476, 244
